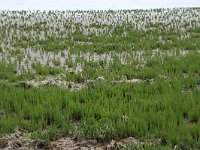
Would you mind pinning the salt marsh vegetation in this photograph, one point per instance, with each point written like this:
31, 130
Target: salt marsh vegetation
102, 75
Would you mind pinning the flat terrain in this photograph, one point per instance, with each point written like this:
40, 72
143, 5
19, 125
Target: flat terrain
127, 79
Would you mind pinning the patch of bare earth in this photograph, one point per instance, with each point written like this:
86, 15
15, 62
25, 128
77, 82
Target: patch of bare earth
20, 141
53, 81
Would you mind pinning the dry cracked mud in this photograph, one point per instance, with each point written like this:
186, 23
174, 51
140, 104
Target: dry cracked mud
20, 140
